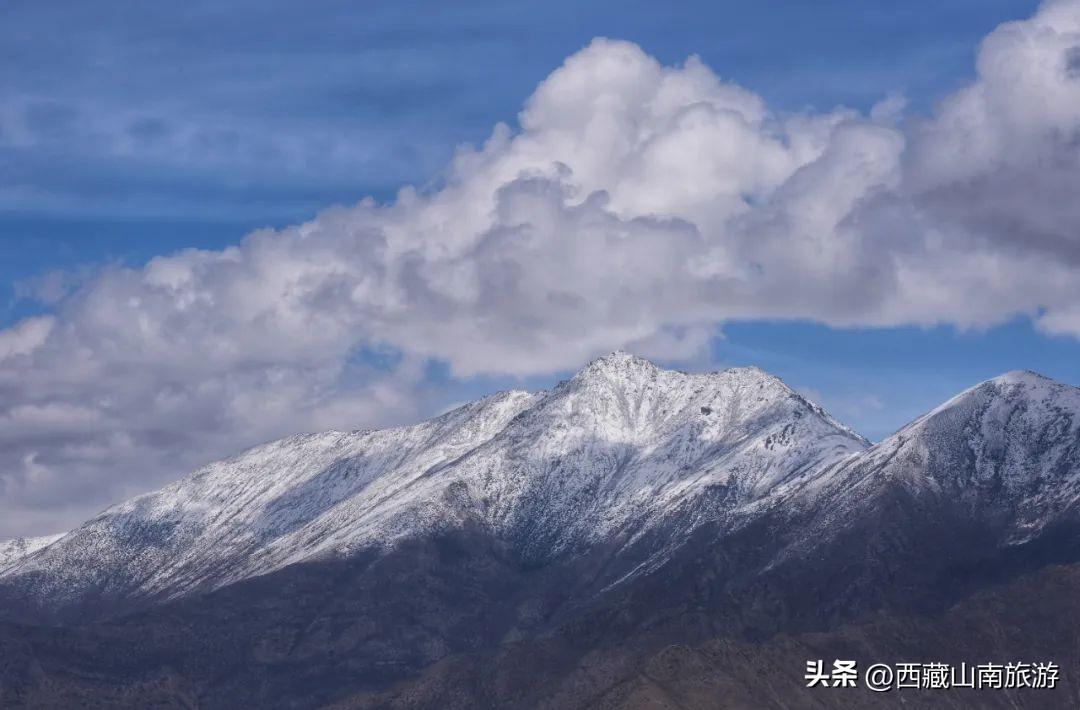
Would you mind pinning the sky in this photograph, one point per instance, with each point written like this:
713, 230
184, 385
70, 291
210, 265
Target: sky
221, 224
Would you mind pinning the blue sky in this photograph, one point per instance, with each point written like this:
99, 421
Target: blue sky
407, 81
860, 217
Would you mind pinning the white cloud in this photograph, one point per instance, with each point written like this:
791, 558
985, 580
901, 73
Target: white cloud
25, 337
637, 206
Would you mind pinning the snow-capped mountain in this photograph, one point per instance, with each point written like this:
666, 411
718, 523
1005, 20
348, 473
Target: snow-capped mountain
570, 548
622, 451
265, 508
1013, 440
618, 448
1006, 450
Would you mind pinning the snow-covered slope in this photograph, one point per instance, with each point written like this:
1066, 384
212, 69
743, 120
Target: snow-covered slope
620, 447
1011, 443
621, 451
625, 445
12, 551
1000, 460
252, 513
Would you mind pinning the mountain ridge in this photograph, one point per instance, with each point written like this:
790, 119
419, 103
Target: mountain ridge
599, 454
620, 449
633, 537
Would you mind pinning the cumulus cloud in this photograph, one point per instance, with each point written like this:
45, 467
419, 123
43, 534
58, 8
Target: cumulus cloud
638, 205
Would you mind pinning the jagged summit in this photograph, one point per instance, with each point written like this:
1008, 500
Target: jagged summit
623, 363
618, 368
619, 360
624, 370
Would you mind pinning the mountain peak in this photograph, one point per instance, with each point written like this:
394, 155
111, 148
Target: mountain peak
1013, 386
619, 361
1025, 377
631, 377
1010, 437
